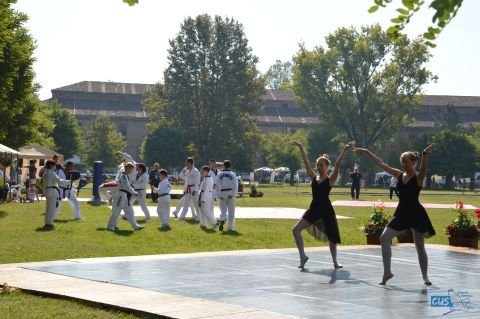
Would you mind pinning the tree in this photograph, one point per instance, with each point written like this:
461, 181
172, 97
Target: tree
67, 134
103, 142
362, 83
455, 154
279, 154
279, 75
448, 119
165, 145
445, 11
211, 87
24, 118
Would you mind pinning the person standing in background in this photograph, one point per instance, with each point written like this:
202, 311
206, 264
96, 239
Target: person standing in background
355, 188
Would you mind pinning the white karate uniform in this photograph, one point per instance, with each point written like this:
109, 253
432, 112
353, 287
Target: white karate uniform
227, 188
139, 185
192, 184
121, 202
68, 192
163, 207
206, 202
213, 174
50, 184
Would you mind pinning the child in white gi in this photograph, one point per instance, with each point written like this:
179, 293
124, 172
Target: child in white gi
50, 184
163, 191
121, 201
206, 199
227, 187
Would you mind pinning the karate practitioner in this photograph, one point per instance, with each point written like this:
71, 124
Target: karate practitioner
66, 191
191, 176
163, 192
206, 200
139, 185
50, 184
121, 200
213, 174
227, 188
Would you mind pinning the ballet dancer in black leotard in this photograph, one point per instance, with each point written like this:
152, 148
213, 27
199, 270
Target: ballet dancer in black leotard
410, 214
320, 220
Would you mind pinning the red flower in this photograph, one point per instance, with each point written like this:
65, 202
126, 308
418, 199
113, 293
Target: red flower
477, 212
459, 204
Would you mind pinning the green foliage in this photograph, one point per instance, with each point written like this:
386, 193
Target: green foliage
166, 146
67, 134
25, 119
377, 221
464, 223
102, 142
131, 2
210, 89
445, 11
279, 75
362, 83
280, 154
455, 154
448, 119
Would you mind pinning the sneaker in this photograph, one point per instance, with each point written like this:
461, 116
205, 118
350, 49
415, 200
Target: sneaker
48, 227
221, 225
203, 227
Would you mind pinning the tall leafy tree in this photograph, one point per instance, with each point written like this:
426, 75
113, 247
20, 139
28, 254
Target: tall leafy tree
166, 146
67, 134
362, 83
24, 118
103, 142
444, 12
455, 153
279, 154
211, 87
279, 75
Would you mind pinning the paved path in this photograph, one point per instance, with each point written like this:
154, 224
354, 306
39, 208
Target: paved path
263, 283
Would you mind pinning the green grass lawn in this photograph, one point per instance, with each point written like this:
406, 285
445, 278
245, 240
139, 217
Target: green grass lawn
23, 241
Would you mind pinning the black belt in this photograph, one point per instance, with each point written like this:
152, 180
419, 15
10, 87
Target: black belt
164, 194
128, 196
140, 189
226, 189
59, 198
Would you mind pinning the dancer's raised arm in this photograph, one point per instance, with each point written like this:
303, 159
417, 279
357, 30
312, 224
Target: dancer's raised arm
392, 171
333, 177
308, 167
423, 165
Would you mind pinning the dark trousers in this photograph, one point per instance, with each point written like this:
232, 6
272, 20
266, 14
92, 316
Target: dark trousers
154, 195
393, 189
355, 188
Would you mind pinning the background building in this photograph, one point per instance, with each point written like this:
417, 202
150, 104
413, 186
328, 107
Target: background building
123, 103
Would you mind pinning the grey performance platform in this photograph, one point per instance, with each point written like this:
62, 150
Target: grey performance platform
269, 280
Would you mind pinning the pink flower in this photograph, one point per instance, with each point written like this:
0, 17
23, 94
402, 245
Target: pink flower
459, 204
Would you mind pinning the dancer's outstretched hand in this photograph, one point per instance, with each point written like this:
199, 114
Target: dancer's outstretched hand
349, 145
429, 148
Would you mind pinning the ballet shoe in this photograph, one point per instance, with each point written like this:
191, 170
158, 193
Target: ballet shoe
427, 281
337, 266
303, 261
386, 278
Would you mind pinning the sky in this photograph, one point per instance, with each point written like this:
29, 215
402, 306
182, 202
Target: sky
107, 40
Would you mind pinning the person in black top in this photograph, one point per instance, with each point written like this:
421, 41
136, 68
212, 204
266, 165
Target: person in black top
355, 188
154, 180
320, 220
410, 214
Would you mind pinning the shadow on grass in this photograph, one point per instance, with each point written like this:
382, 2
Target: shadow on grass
43, 229
119, 232
209, 230
192, 221
231, 233
3, 214
63, 221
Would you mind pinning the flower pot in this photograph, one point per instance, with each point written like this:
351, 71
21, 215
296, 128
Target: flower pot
405, 237
463, 242
373, 239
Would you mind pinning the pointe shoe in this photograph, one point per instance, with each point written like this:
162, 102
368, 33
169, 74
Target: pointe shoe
427, 281
337, 266
386, 278
303, 261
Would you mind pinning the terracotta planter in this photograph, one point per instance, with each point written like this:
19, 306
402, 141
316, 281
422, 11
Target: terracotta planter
463, 242
373, 239
405, 237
